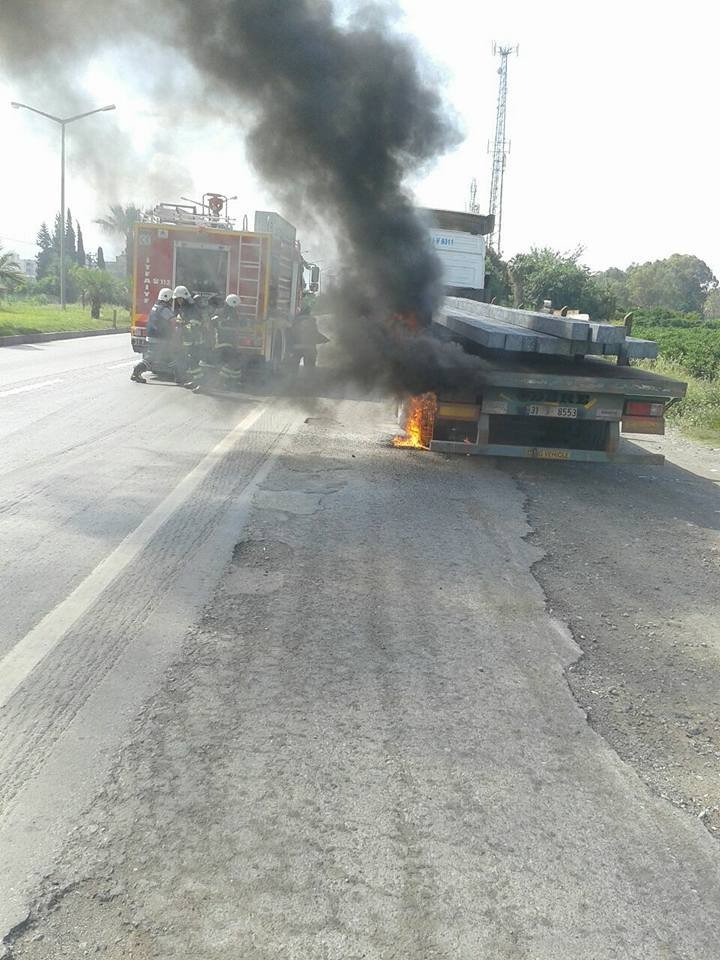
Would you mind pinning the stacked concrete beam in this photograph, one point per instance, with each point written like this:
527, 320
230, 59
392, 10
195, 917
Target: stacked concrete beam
528, 331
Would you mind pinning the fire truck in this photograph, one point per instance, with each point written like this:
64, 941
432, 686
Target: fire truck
199, 246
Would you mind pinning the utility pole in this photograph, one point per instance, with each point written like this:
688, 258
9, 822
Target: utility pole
500, 148
63, 121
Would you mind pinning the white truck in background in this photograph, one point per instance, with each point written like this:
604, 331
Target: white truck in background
459, 240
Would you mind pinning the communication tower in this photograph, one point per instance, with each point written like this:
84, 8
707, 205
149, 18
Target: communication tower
500, 147
473, 205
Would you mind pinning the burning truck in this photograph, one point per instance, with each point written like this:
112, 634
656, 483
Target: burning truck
532, 383
198, 246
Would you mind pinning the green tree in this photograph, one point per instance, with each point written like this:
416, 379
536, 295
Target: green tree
80, 258
49, 259
612, 284
711, 307
681, 282
100, 259
546, 274
120, 221
498, 288
70, 248
10, 275
98, 286
58, 231
45, 257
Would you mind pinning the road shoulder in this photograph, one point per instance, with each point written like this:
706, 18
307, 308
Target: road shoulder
631, 561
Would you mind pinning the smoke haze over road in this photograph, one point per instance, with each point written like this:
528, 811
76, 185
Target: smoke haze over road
337, 115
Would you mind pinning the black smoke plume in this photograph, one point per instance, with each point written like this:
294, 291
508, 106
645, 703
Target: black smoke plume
338, 115
343, 116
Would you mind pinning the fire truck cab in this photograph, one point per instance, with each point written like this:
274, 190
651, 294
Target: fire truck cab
198, 246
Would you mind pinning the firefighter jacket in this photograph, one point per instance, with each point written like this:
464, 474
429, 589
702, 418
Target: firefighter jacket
160, 324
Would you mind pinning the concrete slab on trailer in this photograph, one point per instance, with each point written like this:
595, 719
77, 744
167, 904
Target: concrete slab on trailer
505, 336
634, 348
626, 453
501, 336
583, 375
566, 328
607, 332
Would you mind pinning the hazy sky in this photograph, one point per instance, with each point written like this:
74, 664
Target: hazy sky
612, 119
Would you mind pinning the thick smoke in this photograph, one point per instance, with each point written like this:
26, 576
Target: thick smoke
337, 117
45, 50
344, 116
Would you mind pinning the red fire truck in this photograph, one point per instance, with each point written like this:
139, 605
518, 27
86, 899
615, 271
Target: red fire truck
198, 246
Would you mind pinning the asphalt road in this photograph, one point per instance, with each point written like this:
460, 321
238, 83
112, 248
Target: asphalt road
117, 504
273, 689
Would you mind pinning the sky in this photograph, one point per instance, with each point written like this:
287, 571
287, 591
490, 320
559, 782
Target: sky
612, 123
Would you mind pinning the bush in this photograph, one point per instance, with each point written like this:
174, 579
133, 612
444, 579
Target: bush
698, 413
685, 339
659, 317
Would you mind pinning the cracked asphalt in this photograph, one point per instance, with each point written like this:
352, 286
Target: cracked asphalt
350, 720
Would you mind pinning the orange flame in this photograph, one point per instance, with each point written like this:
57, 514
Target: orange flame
405, 321
418, 420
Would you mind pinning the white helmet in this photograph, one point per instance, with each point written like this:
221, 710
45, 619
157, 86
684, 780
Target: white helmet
181, 293
165, 295
232, 300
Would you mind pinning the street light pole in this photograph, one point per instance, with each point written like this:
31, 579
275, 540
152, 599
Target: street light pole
62, 216
63, 121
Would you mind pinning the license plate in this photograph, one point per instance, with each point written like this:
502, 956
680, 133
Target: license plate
547, 453
552, 410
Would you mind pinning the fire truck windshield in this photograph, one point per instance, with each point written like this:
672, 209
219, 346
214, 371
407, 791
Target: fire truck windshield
202, 268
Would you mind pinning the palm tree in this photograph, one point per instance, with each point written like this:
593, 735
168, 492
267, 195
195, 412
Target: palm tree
10, 275
120, 222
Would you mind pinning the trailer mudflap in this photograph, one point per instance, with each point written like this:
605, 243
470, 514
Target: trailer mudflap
626, 452
654, 425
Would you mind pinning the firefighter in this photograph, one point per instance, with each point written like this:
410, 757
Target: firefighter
228, 328
209, 359
306, 338
190, 327
194, 336
161, 348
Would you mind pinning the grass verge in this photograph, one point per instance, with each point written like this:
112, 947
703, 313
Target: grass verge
698, 414
24, 316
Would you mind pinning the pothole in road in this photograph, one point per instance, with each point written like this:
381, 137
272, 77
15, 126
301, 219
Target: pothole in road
258, 566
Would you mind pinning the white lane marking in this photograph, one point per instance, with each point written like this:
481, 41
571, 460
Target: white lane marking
124, 363
17, 665
32, 386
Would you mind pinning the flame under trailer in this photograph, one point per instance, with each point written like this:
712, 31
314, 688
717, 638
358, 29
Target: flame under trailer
548, 386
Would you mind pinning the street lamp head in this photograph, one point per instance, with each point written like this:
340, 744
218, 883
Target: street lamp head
15, 106
110, 106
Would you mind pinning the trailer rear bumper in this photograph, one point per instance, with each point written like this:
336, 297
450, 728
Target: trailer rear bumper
626, 452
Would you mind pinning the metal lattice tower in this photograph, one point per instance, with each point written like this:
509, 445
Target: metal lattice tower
499, 156
473, 205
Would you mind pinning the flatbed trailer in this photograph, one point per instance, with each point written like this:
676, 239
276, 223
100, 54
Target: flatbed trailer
552, 408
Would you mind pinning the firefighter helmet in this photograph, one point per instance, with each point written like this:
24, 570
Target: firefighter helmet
165, 295
181, 293
232, 300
